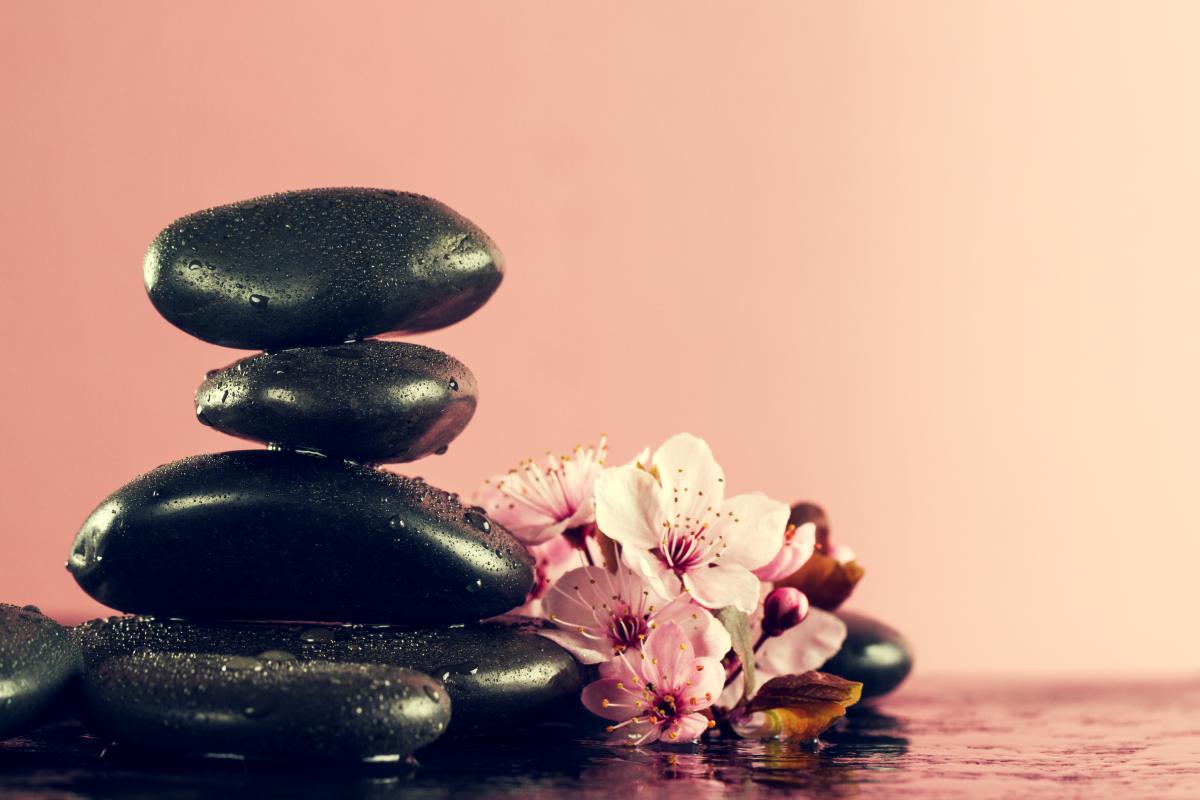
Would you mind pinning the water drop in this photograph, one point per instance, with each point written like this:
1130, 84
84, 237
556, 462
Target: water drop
476, 517
155, 493
311, 635
433, 694
203, 420
397, 523
238, 663
259, 300
453, 385
195, 264
278, 656
475, 585
441, 451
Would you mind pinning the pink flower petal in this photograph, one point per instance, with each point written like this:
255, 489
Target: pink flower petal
753, 527
804, 647
707, 635
687, 471
688, 729
656, 573
797, 548
627, 507
668, 657
585, 650
724, 585
708, 679
606, 698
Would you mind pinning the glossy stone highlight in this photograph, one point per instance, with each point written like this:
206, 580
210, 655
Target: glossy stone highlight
496, 674
263, 707
320, 266
267, 535
372, 402
37, 659
874, 654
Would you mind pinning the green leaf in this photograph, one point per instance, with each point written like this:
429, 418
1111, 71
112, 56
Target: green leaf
738, 625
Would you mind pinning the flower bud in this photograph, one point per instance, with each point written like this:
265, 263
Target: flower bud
784, 608
811, 512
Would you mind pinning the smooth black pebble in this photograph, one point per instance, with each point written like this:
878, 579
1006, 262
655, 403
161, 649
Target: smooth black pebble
496, 674
37, 660
277, 535
373, 402
267, 707
320, 266
874, 654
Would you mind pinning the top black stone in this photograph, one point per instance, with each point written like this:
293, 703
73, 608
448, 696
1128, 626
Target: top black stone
320, 266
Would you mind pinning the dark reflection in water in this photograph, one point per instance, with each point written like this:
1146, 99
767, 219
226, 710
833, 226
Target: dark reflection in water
937, 739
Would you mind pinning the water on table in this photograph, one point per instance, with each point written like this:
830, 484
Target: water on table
934, 739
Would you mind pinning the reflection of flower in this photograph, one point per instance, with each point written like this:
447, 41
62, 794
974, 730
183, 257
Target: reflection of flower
676, 526
797, 650
537, 501
657, 694
798, 544
601, 615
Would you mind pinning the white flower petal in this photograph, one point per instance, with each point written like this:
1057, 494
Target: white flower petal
691, 478
753, 527
628, 505
724, 585
804, 647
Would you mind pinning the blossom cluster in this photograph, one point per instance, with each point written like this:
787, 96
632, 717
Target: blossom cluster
636, 562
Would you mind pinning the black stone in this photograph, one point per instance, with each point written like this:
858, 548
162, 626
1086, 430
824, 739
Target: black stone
269, 706
267, 535
320, 266
874, 654
37, 659
372, 402
496, 674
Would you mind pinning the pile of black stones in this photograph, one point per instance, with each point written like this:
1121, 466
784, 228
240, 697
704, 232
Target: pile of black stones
297, 602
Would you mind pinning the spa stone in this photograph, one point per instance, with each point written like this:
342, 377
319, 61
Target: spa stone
285, 536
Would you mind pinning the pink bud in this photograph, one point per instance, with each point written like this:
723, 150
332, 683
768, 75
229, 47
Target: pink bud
784, 608
797, 548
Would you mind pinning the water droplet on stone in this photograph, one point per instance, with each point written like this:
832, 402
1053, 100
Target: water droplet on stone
433, 694
195, 264
203, 420
475, 585
278, 656
397, 523
441, 451
238, 663
316, 635
476, 517
453, 385
259, 300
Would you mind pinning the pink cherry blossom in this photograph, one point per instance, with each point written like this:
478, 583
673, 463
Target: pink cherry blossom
601, 615
803, 647
539, 500
676, 526
657, 694
551, 560
798, 545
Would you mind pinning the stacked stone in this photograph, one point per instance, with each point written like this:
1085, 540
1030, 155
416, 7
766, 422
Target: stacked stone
310, 529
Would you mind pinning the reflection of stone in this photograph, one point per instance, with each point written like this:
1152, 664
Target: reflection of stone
874, 654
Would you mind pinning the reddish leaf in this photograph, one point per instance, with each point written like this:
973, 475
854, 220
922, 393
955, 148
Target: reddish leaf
826, 581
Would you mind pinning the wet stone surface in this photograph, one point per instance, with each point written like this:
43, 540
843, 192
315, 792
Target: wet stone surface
372, 402
496, 674
276, 536
37, 659
936, 739
873, 654
320, 266
267, 706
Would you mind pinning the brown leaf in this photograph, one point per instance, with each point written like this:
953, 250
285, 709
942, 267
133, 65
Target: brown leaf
826, 581
608, 552
798, 706
808, 687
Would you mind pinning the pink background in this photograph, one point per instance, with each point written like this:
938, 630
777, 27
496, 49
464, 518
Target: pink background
933, 264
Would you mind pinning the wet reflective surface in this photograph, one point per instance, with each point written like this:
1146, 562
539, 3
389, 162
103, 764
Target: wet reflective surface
934, 739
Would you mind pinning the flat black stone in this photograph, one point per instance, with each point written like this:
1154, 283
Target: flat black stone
373, 402
496, 674
266, 707
320, 266
37, 659
874, 654
276, 536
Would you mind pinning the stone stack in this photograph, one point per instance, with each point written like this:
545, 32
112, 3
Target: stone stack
386, 574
